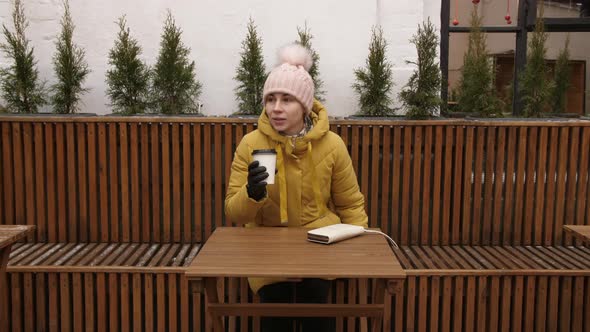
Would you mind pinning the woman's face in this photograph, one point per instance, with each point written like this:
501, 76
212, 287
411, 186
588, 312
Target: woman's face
285, 113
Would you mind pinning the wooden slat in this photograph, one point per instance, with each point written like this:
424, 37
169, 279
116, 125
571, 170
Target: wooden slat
161, 303
101, 302
128, 164
19, 183
517, 303
519, 190
395, 228
176, 190
197, 234
422, 304
375, 176
124, 303
582, 195
28, 297
470, 304
72, 185
476, 235
103, 183
530, 187
92, 183
406, 188
427, 177
65, 303
133, 234
218, 215
467, 185
148, 302
498, 223
207, 177
78, 296
144, 141
529, 313
29, 172
570, 198
538, 219
385, 208
565, 307
114, 177
166, 184
561, 184
541, 304
509, 191
8, 177
156, 178
136, 299
490, 155
61, 176
457, 193
446, 191
436, 188
550, 192
83, 189
186, 183
457, 306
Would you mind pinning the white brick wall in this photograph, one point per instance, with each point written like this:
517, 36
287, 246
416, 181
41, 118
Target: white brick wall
214, 29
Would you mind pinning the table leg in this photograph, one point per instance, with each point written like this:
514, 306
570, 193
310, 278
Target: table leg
378, 298
4, 254
211, 297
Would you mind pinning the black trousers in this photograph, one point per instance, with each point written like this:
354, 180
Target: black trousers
306, 291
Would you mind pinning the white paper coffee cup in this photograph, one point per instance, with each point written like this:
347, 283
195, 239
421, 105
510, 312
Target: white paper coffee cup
268, 159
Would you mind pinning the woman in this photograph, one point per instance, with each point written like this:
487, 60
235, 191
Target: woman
315, 183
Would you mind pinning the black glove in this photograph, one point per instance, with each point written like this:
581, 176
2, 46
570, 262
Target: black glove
256, 184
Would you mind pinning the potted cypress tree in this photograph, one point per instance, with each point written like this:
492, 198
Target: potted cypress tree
561, 79
128, 76
304, 40
421, 95
175, 88
250, 74
476, 94
22, 89
373, 83
536, 85
70, 68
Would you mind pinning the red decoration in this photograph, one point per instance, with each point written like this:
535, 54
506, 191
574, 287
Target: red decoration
509, 22
507, 17
475, 1
455, 21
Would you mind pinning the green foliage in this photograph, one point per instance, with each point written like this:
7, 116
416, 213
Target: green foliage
476, 92
535, 85
128, 78
250, 74
305, 38
175, 88
421, 96
70, 68
561, 79
374, 82
20, 84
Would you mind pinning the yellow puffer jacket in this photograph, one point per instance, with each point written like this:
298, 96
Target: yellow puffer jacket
315, 185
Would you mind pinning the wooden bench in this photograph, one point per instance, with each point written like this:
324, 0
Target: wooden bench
132, 182
100, 286
494, 288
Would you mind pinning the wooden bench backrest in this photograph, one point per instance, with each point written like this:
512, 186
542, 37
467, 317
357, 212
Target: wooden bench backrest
138, 179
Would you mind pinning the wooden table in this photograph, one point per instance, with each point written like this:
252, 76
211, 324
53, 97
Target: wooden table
581, 232
9, 234
286, 253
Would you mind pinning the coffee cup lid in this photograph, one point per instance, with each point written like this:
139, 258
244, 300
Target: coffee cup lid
264, 151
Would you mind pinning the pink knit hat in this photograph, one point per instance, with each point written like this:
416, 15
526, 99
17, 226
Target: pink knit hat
291, 75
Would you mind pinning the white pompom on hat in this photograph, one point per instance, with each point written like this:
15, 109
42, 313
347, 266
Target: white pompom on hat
291, 75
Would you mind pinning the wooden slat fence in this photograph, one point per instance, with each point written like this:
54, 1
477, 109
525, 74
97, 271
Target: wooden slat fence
164, 179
